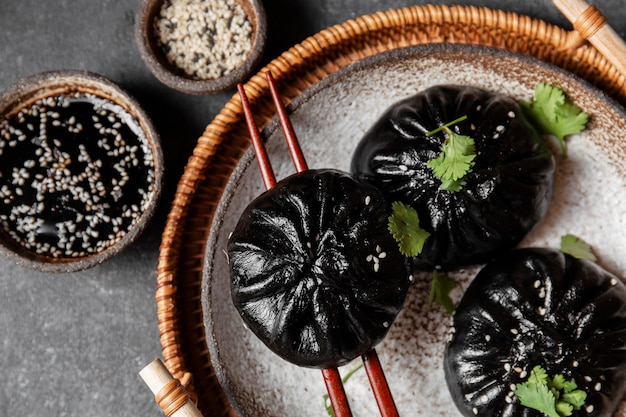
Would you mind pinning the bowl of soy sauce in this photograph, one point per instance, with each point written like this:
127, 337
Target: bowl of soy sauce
81, 169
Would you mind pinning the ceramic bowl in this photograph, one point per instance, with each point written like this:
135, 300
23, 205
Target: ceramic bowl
173, 74
329, 119
80, 170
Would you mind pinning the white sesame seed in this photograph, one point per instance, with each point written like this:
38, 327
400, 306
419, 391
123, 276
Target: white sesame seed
185, 40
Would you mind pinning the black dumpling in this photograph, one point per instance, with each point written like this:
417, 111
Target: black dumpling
507, 192
538, 307
315, 273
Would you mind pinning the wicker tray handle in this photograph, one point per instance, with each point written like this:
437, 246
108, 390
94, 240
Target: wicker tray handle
591, 25
179, 272
169, 393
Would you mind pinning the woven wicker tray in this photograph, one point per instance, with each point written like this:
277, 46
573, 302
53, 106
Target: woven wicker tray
179, 274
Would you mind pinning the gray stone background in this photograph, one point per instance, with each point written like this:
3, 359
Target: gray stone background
72, 344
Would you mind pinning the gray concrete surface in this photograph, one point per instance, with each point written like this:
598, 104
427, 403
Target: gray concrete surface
72, 344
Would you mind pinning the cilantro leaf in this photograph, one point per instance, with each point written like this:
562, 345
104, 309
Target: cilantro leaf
452, 186
440, 291
538, 375
455, 160
555, 397
554, 114
538, 397
577, 248
575, 398
405, 228
563, 408
560, 383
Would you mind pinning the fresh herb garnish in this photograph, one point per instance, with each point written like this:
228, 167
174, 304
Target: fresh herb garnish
555, 397
576, 247
404, 226
327, 404
447, 125
554, 114
456, 158
440, 291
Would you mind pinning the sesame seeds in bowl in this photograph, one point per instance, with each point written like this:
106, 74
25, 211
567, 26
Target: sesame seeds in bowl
201, 46
80, 171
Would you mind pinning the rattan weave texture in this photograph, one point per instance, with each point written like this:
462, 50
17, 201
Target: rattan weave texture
179, 274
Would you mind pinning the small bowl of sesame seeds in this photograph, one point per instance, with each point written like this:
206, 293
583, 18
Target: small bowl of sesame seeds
80, 170
201, 46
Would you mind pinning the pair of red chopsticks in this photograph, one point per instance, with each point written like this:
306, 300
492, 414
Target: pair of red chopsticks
332, 379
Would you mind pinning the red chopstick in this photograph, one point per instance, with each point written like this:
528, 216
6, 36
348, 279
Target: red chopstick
336, 393
292, 141
376, 376
332, 379
267, 173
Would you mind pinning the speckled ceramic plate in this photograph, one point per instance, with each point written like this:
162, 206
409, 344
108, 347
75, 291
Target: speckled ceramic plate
329, 119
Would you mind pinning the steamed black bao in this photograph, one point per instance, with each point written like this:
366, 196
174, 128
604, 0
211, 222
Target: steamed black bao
538, 307
507, 192
315, 273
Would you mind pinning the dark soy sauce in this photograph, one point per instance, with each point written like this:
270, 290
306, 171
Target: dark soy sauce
76, 174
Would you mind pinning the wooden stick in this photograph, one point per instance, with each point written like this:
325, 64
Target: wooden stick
171, 396
591, 25
290, 136
376, 376
336, 392
332, 379
267, 173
